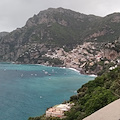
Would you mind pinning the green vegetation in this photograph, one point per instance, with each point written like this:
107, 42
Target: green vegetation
92, 96
95, 95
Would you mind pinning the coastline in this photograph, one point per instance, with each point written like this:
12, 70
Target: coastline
78, 70
59, 67
74, 70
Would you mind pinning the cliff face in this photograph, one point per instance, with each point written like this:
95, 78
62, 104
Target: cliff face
61, 29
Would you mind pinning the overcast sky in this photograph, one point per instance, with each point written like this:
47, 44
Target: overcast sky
15, 13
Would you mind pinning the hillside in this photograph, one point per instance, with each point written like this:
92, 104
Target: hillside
63, 31
92, 96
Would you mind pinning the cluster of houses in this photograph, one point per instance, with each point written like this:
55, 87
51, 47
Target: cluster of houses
77, 57
58, 110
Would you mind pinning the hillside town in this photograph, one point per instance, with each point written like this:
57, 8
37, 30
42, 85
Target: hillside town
84, 55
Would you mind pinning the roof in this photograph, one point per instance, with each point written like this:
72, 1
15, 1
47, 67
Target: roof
109, 112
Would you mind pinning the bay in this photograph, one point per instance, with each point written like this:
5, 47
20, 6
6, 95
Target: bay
28, 90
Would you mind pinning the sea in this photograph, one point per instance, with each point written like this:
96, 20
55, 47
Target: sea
28, 90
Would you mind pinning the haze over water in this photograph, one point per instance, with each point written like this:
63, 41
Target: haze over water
28, 90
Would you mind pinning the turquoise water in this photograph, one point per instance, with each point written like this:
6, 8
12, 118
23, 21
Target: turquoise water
28, 90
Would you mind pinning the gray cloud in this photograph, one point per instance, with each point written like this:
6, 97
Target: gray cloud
15, 13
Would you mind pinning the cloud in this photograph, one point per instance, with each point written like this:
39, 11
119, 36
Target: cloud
15, 13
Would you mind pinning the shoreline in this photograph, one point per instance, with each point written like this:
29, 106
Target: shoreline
73, 69
92, 75
78, 70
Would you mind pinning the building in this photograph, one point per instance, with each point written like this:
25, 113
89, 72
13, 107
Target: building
58, 110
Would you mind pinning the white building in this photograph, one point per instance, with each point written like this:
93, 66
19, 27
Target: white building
58, 110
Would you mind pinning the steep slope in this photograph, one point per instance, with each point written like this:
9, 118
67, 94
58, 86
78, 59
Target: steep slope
106, 29
61, 26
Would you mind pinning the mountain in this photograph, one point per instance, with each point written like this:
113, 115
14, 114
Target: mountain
55, 29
